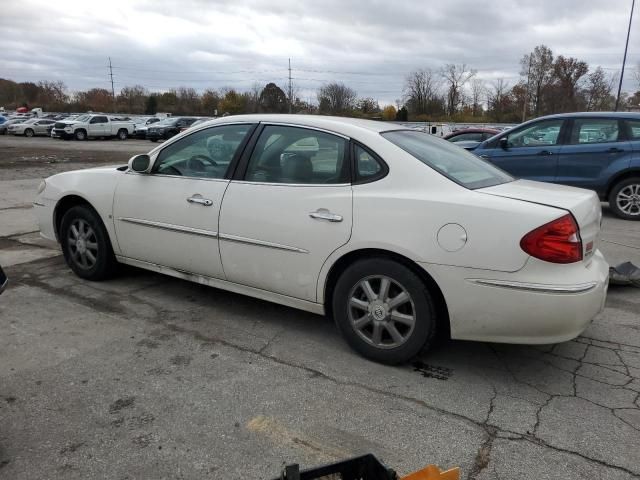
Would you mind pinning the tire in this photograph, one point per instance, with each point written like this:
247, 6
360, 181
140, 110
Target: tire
154, 140
81, 135
122, 134
352, 305
28, 132
624, 199
93, 259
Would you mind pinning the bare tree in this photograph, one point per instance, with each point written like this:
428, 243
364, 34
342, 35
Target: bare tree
537, 68
496, 98
336, 98
456, 76
568, 71
420, 89
598, 91
478, 91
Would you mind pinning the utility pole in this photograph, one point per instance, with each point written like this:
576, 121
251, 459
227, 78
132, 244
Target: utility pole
291, 90
113, 92
624, 59
526, 97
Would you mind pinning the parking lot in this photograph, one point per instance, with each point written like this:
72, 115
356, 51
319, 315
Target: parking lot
147, 376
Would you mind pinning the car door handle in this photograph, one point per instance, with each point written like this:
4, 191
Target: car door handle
200, 201
324, 214
545, 152
615, 150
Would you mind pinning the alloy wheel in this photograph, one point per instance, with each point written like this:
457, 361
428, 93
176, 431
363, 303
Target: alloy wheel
628, 199
82, 243
381, 311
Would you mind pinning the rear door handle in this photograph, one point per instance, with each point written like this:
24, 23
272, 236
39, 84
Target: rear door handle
197, 198
324, 214
545, 152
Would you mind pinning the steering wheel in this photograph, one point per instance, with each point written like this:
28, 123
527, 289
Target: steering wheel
202, 158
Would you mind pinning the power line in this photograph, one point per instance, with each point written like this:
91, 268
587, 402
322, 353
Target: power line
113, 91
624, 60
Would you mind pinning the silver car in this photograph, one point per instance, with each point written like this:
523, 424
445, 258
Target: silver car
31, 127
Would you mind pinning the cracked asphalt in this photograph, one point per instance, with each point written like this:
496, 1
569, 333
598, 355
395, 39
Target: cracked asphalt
150, 377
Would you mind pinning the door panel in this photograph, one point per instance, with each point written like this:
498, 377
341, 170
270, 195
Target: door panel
156, 223
268, 239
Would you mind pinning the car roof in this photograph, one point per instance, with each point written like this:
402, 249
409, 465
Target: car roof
631, 115
319, 121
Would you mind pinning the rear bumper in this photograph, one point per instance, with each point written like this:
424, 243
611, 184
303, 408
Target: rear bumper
530, 306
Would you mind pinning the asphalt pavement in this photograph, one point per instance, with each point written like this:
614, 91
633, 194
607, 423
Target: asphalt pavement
149, 377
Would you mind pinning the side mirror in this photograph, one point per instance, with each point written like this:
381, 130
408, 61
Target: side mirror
504, 143
140, 163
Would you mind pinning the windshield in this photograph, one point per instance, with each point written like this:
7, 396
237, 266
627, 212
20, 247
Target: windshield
83, 118
451, 161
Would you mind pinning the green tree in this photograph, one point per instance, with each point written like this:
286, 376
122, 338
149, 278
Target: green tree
151, 106
273, 99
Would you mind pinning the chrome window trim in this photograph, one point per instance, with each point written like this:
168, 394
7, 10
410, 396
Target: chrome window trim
536, 287
170, 227
260, 243
307, 127
325, 185
183, 177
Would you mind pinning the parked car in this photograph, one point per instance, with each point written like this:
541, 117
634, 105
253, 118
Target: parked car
599, 151
142, 125
471, 134
11, 121
394, 233
196, 123
32, 127
93, 126
168, 128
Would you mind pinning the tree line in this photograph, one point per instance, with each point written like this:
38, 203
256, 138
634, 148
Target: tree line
454, 92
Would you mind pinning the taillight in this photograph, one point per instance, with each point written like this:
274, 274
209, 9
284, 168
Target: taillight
557, 242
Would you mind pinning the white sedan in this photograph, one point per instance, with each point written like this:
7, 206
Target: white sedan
394, 233
31, 127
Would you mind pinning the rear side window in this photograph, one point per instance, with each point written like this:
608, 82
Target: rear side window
464, 137
453, 162
634, 129
594, 130
368, 166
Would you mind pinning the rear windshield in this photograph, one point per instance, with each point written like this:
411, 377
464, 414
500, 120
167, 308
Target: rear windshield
451, 161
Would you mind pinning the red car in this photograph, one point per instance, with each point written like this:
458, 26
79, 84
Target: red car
471, 134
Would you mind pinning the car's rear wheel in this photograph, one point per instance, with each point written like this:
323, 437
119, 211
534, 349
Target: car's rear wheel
28, 132
81, 135
86, 245
624, 199
384, 310
122, 134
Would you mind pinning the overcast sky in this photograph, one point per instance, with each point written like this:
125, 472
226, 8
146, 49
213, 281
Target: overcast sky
368, 45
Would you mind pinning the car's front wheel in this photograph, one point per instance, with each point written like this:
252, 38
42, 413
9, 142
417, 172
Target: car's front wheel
624, 199
86, 245
28, 132
81, 135
384, 310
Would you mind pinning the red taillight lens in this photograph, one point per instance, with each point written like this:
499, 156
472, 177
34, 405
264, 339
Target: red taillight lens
557, 242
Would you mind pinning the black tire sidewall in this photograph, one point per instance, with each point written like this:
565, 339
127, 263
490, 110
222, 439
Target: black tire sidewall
28, 132
79, 132
120, 136
105, 263
424, 329
613, 205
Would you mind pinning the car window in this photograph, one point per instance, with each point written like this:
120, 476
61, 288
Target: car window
298, 155
594, 130
453, 162
98, 120
367, 165
634, 129
463, 137
204, 154
544, 133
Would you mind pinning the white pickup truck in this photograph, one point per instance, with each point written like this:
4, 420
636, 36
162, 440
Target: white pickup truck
93, 126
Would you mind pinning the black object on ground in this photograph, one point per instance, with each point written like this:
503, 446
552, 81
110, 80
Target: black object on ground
625, 274
366, 467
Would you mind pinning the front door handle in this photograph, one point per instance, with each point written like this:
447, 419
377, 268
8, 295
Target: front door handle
615, 150
199, 200
545, 152
324, 214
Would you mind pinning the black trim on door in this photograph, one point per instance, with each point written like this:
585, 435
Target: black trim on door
239, 168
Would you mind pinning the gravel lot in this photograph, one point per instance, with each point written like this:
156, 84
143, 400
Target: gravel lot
149, 377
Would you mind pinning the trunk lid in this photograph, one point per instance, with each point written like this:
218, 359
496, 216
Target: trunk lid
583, 204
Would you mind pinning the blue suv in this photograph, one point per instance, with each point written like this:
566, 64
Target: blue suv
599, 151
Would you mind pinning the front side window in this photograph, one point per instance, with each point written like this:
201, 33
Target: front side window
539, 134
453, 162
204, 154
298, 155
594, 130
634, 129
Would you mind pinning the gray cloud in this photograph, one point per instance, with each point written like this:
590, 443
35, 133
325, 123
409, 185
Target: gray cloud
369, 45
